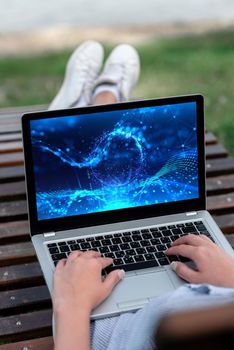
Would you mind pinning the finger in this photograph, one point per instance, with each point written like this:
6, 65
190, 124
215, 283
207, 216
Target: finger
105, 262
184, 250
61, 264
189, 239
184, 271
91, 254
112, 279
74, 255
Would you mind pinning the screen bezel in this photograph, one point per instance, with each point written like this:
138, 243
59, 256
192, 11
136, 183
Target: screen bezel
112, 216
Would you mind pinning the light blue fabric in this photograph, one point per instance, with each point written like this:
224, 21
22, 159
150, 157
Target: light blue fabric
134, 331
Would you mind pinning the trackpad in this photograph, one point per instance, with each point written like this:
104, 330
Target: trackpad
140, 288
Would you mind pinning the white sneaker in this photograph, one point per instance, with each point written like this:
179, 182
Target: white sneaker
122, 69
81, 72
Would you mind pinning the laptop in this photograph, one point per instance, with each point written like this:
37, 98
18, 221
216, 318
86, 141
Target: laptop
123, 179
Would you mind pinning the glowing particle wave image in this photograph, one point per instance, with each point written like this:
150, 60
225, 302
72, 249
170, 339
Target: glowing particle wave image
126, 159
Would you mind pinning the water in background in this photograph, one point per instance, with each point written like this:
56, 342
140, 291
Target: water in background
21, 15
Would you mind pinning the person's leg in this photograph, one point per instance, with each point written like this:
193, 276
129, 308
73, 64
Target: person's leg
82, 71
119, 76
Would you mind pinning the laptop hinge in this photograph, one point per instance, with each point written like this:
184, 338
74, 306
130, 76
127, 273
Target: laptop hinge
49, 234
191, 213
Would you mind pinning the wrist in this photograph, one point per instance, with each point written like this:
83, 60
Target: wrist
64, 310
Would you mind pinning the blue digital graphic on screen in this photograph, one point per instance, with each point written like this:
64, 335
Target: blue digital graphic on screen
114, 160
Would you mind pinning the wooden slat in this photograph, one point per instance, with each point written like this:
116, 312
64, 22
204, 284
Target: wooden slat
16, 112
219, 185
13, 190
210, 138
11, 147
215, 151
16, 253
10, 137
9, 174
25, 299
32, 344
221, 204
25, 326
14, 231
13, 210
10, 128
11, 159
225, 222
16, 276
222, 166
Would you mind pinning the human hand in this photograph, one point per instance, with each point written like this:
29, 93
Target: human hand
213, 264
78, 282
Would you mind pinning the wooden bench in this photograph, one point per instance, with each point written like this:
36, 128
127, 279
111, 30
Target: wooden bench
25, 305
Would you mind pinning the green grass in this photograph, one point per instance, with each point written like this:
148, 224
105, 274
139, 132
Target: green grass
193, 64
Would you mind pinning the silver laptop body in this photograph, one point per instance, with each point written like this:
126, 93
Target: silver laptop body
137, 166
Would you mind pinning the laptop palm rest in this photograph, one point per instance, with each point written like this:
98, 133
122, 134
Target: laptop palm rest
131, 291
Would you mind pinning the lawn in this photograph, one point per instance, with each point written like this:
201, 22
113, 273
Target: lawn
193, 64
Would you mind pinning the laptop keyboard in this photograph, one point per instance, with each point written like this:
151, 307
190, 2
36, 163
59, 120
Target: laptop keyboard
131, 250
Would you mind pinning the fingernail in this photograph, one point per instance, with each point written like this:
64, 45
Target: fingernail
121, 274
173, 265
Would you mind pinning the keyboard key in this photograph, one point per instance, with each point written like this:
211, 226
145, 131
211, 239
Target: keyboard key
61, 243
89, 239
103, 250
51, 245
135, 244
110, 255
156, 234
95, 244
128, 260
71, 242
184, 259
133, 266
136, 238
53, 250
172, 258
146, 235
174, 238
80, 240
119, 254
85, 245
127, 233
114, 248
144, 231
180, 225
149, 257
116, 240
198, 222
189, 229
105, 242
168, 245
58, 256
160, 255
74, 247
171, 226
155, 241
127, 239
64, 249
163, 261
99, 238
136, 232
161, 247
140, 250
151, 249
145, 243
108, 236
161, 228
139, 258
153, 229
130, 252
124, 246
117, 262
166, 233
165, 240
176, 231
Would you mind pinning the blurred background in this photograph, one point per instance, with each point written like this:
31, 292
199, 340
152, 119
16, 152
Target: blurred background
186, 46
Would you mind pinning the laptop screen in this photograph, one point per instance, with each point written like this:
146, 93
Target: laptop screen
109, 160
